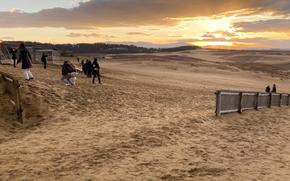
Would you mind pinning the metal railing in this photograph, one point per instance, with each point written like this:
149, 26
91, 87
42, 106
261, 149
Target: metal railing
11, 87
235, 101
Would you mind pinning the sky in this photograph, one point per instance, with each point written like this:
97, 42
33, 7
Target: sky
232, 24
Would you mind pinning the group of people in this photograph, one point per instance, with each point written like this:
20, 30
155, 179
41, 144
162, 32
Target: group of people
69, 71
91, 69
273, 90
13, 52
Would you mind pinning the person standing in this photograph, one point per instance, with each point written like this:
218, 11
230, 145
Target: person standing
89, 68
14, 57
268, 89
274, 89
96, 71
44, 60
25, 59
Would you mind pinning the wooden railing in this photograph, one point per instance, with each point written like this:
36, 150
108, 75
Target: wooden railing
11, 87
235, 101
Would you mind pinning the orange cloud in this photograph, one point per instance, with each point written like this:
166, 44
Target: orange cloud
113, 13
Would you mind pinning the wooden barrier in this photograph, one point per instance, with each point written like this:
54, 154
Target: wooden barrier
235, 101
12, 89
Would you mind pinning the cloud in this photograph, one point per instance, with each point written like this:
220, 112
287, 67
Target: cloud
15, 10
7, 38
215, 36
138, 33
89, 35
275, 25
208, 35
113, 13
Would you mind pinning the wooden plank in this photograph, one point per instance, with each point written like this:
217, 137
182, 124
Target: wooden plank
248, 108
7, 78
249, 94
229, 111
229, 93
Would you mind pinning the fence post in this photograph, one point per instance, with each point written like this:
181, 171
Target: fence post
218, 103
270, 101
18, 101
280, 102
5, 83
241, 103
288, 100
258, 99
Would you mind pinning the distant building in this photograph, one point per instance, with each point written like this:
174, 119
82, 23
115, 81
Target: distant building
37, 53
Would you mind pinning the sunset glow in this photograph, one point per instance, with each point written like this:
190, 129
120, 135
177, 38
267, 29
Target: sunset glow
253, 24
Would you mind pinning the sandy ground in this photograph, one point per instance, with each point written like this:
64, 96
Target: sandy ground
152, 119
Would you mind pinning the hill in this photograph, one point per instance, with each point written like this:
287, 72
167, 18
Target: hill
101, 48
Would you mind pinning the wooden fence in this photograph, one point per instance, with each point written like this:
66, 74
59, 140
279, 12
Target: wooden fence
235, 101
11, 87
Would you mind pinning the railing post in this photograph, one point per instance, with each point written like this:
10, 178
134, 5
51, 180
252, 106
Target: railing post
241, 103
280, 102
18, 101
270, 101
258, 100
218, 103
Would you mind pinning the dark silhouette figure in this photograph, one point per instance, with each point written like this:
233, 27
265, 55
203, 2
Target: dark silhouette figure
44, 60
88, 68
96, 71
274, 89
25, 58
268, 89
14, 57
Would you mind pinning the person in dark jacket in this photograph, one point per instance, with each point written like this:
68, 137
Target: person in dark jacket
68, 73
25, 58
274, 89
96, 71
268, 89
44, 60
14, 57
88, 68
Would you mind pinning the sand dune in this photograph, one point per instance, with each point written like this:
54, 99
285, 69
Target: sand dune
152, 119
